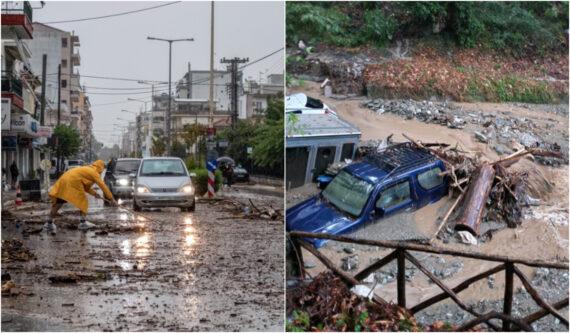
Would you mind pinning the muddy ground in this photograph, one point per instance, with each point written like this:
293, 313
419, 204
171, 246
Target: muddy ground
209, 270
543, 234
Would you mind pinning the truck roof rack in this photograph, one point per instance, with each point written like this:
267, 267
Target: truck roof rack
400, 157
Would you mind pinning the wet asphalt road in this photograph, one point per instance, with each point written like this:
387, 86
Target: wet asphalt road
160, 270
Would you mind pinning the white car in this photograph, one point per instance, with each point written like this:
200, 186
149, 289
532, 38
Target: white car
163, 182
302, 104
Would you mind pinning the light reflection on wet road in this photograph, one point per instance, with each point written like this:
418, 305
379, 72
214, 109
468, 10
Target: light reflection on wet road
176, 271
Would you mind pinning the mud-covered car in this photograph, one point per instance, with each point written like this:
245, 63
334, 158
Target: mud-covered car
302, 104
401, 178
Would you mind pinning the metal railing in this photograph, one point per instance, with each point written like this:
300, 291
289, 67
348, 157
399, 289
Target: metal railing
17, 7
401, 254
11, 83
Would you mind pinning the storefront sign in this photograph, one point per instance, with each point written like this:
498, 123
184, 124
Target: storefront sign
6, 105
45, 131
24, 123
9, 143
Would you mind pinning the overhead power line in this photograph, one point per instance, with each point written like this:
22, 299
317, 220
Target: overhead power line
112, 15
262, 58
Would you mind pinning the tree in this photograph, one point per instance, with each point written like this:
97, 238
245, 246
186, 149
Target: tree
268, 140
239, 138
178, 149
158, 146
68, 139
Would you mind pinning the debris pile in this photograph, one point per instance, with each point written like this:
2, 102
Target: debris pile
327, 304
249, 211
486, 190
505, 134
14, 250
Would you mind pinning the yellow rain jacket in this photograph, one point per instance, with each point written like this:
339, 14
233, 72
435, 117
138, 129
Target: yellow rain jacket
73, 184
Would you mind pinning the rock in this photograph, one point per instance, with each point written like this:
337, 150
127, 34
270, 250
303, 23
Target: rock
309, 265
349, 250
362, 291
502, 149
467, 238
350, 263
529, 140
369, 279
491, 282
481, 137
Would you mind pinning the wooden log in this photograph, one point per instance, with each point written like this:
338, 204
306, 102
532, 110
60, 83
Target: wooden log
536, 296
347, 278
375, 266
531, 318
297, 254
492, 315
475, 199
431, 249
401, 278
460, 287
508, 298
446, 289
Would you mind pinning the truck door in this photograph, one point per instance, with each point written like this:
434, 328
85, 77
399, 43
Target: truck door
395, 197
430, 185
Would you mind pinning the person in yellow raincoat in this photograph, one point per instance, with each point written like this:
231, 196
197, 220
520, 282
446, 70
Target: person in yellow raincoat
72, 186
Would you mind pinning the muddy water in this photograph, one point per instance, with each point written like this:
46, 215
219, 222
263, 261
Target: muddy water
179, 271
539, 239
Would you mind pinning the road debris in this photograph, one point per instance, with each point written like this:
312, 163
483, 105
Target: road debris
14, 250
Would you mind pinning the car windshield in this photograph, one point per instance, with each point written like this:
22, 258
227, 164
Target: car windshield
348, 193
163, 168
127, 166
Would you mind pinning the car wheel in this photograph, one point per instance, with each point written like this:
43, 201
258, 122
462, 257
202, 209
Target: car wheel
136, 207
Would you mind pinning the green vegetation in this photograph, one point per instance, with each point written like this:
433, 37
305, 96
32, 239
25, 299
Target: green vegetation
69, 141
265, 137
200, 181
519, 28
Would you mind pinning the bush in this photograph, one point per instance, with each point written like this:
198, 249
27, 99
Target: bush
378, 28
200, 181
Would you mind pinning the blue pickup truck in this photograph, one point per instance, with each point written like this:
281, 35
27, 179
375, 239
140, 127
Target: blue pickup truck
401, 178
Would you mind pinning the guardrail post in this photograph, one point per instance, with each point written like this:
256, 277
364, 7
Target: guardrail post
401, 258
508, 299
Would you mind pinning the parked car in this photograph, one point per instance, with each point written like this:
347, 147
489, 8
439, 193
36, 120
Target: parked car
74, 164
240, 174
302, 104
163, 182
120, 176
401, 178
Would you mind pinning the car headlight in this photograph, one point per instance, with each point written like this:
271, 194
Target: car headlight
189, 189
123, 182
142, 189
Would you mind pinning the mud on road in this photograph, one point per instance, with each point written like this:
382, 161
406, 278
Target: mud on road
159, 270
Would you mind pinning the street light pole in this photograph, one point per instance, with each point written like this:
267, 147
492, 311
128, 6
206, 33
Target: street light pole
167, 120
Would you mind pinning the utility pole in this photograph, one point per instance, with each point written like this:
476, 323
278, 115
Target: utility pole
189, 78
234, 84
58, 94
167, 118
43, 100
211, 153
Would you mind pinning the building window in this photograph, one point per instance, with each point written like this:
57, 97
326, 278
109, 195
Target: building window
64, 63
63, 83
64, 42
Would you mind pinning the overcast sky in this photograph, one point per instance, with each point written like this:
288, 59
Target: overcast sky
117, 46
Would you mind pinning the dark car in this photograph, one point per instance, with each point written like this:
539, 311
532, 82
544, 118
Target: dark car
401, 178
120, 176
241, 174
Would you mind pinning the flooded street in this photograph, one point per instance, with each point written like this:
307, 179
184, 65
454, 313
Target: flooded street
157, 270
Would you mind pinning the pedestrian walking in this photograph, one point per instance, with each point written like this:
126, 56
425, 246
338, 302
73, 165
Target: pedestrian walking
71, 188
14, 173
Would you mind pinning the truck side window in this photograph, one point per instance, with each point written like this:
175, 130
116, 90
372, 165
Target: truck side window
394, 195
430, 178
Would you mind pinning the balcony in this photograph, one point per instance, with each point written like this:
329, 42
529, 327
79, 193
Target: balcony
75, 59
17, 17
75, 40
75, 96
12, 89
